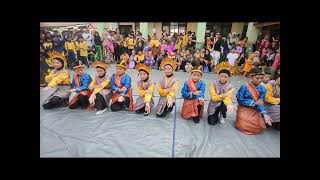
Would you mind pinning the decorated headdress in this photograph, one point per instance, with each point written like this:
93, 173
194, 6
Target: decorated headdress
122, 64
77, 64
256, 71
266, 70
197, 69
168, 61
99, 64
222, 65
227, 71
59, 56
143, 67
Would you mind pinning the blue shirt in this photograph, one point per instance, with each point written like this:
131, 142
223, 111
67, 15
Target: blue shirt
125, 80
187, 94
85, 81
245, 98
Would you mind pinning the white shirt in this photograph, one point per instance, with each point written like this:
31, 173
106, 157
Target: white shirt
88, 38
232, 57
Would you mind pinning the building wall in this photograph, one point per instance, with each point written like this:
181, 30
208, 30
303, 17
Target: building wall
237, 27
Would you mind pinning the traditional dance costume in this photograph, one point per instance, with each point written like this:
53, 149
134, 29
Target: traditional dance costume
81, 84
249, 118
59, 79
193, 105
218, 104
167, 88
100, 87
145, 90
272, 101
121, 86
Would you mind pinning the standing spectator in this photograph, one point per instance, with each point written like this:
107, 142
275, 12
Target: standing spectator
131, 42
179, 43
71, 50
174, 38
118, 38
185, 40
97, 46
208, 60
276, 62
217, 48
155, 46
88, 38
83, 47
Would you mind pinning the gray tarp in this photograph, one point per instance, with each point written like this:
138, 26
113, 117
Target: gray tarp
79, 133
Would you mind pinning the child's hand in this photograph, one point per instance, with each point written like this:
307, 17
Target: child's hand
259, 102
92, 98
196, 93
47, 88
268, 120
230, 108
120, 99
72, 90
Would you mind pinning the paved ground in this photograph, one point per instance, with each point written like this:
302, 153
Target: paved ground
79, 133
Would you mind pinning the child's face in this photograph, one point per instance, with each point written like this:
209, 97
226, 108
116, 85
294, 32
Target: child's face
168, 70
79, 71
163, 42
266, 78
133, 52
101, 71
143, 75
256, 80
56, 64
196, 76
120, 70
140, 52
149, 53
233, 50
223, 77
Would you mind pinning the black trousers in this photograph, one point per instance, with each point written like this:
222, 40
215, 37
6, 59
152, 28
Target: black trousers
55, 102
166, 111
100, 103
141, 110
84, 60
214, 118
118, 106
158, 63
83, 102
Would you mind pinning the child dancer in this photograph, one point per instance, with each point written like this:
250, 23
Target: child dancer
121, 89
251, 114
58, 78
193, 94
80, 85
221, 98
273, 101
167, 88
144, 102
100, 87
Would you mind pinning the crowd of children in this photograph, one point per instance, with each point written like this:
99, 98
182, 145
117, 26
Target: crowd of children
258, 100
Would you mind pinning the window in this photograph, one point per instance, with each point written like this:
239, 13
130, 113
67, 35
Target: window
223, 28
174, 27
